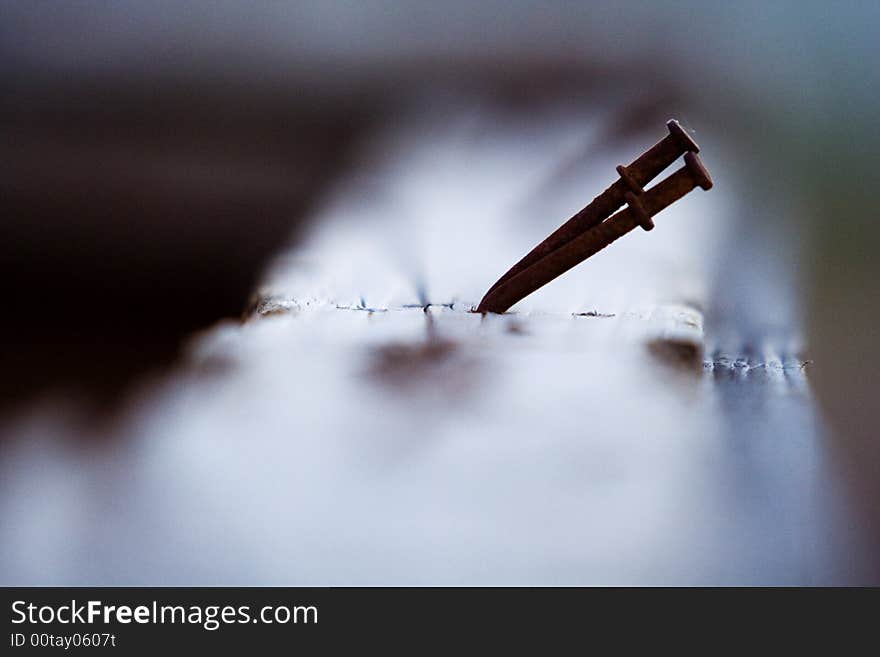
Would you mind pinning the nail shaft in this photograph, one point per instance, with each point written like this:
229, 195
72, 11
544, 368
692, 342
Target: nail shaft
642, 171
659, 197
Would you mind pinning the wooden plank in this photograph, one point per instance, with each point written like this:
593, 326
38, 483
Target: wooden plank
363, 427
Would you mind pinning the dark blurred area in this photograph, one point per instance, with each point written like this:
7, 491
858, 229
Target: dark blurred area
137, 211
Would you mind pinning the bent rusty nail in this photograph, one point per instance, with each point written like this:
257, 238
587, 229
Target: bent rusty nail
643, 170
641, 208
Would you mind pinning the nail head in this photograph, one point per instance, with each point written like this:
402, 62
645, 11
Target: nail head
698, 170
686, 141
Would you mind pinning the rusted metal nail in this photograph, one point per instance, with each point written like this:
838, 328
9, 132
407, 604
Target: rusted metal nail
643, 170
692, 175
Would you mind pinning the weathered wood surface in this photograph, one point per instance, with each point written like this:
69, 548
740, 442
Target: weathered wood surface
363, 427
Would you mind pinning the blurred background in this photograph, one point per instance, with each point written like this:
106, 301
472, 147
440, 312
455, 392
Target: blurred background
157, 155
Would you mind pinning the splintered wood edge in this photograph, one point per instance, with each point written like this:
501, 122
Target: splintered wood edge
677, 338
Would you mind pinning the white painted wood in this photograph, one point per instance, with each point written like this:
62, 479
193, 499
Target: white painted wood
346, 435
